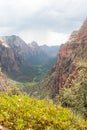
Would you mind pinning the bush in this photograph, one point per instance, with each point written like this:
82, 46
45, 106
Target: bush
76, 96
22, 112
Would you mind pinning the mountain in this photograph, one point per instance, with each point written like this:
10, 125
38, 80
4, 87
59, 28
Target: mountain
69, 59
38, 56
23, 62
13, 52
51, 51
43, 54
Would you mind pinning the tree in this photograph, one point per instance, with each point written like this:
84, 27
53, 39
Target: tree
76, 96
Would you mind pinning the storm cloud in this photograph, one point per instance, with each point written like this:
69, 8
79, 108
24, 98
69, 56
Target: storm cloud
46, 21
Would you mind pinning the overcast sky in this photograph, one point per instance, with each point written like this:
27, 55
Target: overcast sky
45, 21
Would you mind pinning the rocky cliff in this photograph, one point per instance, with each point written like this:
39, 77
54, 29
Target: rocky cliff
13, 52
21, 61
72, 54
69, 59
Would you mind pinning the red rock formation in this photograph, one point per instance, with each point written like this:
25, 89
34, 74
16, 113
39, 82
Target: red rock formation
68, 54
69, 57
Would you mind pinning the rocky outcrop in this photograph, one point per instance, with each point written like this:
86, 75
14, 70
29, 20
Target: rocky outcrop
18, 59
13, 52
73, 37
70, 55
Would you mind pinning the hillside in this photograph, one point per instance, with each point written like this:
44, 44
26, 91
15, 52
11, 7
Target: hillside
23, 62
75, 96
7, 85
20, 112
69, 59
3, 82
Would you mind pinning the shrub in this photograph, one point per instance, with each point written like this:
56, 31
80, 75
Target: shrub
22, 112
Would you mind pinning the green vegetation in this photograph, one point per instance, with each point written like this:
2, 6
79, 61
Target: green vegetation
27, 74
76, 96
21, 112
31, 73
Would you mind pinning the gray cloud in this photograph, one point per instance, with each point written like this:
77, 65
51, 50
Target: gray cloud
62, 16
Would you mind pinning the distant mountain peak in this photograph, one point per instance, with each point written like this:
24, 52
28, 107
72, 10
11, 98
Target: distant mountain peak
34, 43
15, 55
44, 45
14, 36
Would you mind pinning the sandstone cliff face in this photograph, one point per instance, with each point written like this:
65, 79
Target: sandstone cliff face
7, 58
18, 47
22, 61
14, 53
4, 83
70, 55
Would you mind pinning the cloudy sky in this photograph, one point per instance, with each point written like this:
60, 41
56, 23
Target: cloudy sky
45, 21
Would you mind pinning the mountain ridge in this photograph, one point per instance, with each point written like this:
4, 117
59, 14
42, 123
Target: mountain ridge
70, 56
69, 59
18, 59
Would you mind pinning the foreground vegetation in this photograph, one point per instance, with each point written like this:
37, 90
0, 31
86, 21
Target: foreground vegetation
21, 112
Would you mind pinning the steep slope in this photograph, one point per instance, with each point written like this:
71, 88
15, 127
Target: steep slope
7, 85
23, 62
75, 96
20, 112
14, 54
69, 58
7, 57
